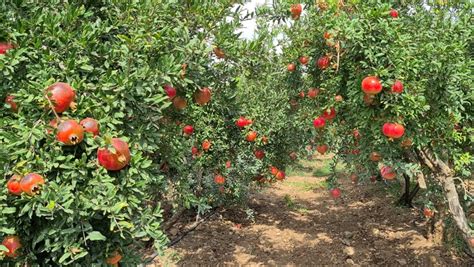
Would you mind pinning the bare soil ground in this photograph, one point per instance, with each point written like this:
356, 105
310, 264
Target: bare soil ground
296, 223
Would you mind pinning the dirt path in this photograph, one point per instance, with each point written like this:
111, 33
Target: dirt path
296, 223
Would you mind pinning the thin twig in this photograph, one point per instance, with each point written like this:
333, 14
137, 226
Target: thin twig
52, 108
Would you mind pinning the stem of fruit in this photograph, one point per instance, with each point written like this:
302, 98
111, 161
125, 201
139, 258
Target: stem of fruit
54, 111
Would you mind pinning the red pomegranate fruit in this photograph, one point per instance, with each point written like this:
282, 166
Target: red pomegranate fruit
188, 130
323, 62
70, 133
219, 179
322, 149
259, 154
13, 244
335, 193
394, 13
10, 100
371, 85
114, 160
329, 114
393, 130
319, 123
291, 67
61, 96
202, 96
304, 60
13, 185
388, 173
4, 47
397, 87
251, 136
170, 91
90, 125
296, 10
31, 183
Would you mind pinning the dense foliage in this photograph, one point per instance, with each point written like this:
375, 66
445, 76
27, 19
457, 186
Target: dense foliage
207, 116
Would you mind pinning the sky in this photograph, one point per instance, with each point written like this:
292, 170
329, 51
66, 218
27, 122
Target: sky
249, 27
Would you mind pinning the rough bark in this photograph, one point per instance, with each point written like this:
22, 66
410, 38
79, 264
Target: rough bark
445, 177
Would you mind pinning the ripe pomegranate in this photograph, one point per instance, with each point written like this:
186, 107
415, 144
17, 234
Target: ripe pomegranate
31, 183
206, 145
11, 102
179, 103
356, 134
90, 125
4, 47
219, 53
194, 151
291, 67
114, 258
61, 95
375, 156
313, 92
371, 85
70, 133
397, 87
202, 96
319, 122
219, 179
228, 164
394, 13
273, 170
335, 193
251, 136
280, 175
338, 98
13, 244
114, 160
388, 173
259, 154
301, 94
393, 130
304, 60
13, 185
327, 35
243, 122
188, 130
170, 91
322, 149
329, 114
323, 62
428, 212
296, 10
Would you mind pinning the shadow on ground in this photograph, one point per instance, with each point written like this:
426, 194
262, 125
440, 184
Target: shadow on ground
296, 223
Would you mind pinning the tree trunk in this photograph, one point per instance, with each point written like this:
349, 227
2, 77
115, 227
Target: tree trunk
446, 178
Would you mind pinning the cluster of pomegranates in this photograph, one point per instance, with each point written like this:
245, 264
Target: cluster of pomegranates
201, 97
30, 184
70, 132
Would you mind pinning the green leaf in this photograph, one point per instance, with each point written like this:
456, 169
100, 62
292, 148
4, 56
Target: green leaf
96, 236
